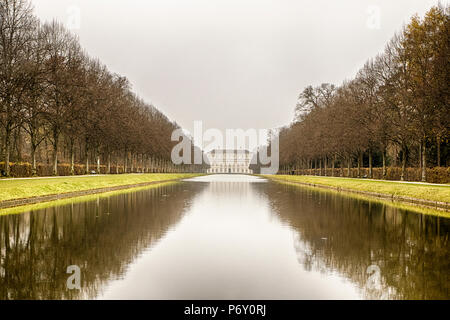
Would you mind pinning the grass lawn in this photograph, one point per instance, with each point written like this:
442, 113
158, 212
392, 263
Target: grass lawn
26, 188
418, 191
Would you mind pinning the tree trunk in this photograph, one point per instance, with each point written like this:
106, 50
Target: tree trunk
359, 165
47, 158
72, 162
18, 144
144, 163
125, 162
420, 156
138, 164
86, 154
33, 160
55, 152
402, 176
333, 165
132, 162
108, 170
384, 163
438, 143
98, 163
72, 157
424, 160
370, 165
348, 166
33, 145
55, 160
7, 152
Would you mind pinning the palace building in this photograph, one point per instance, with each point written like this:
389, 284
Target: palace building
230, 161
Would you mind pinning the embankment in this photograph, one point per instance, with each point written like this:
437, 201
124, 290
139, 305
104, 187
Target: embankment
18, 192
424, 194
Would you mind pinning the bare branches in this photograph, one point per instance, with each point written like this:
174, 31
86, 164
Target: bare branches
398, 100
53, 90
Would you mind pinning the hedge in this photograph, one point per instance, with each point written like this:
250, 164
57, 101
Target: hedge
434, 175
23, 169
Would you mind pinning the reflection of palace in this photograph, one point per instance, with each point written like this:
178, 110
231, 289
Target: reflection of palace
229, 161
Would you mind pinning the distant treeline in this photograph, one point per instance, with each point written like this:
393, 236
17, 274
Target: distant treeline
395, 112
57, 104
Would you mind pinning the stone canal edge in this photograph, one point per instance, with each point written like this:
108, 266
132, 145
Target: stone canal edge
439, 205
52, 197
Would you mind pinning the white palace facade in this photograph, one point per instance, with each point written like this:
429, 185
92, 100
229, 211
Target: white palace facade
229, 161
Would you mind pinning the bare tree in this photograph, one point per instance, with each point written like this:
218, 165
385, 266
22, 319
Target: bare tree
16, 31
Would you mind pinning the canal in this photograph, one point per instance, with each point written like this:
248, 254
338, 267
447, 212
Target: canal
225, 237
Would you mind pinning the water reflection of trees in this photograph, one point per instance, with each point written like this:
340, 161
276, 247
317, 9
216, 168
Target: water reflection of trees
346, 235
102, 237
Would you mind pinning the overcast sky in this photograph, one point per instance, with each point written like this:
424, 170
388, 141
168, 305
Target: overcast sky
231, 63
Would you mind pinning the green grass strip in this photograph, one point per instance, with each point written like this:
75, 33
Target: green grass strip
396, 204
439, 193
62, 202
28, 188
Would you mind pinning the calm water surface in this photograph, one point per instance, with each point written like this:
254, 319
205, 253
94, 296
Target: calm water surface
225, 237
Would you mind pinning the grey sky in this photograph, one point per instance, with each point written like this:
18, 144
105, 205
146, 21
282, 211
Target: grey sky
231, 63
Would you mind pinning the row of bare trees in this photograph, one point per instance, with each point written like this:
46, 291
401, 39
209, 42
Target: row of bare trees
57, 102
395, 110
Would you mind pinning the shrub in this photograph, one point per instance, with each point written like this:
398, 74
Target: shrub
23, 169
434, 175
